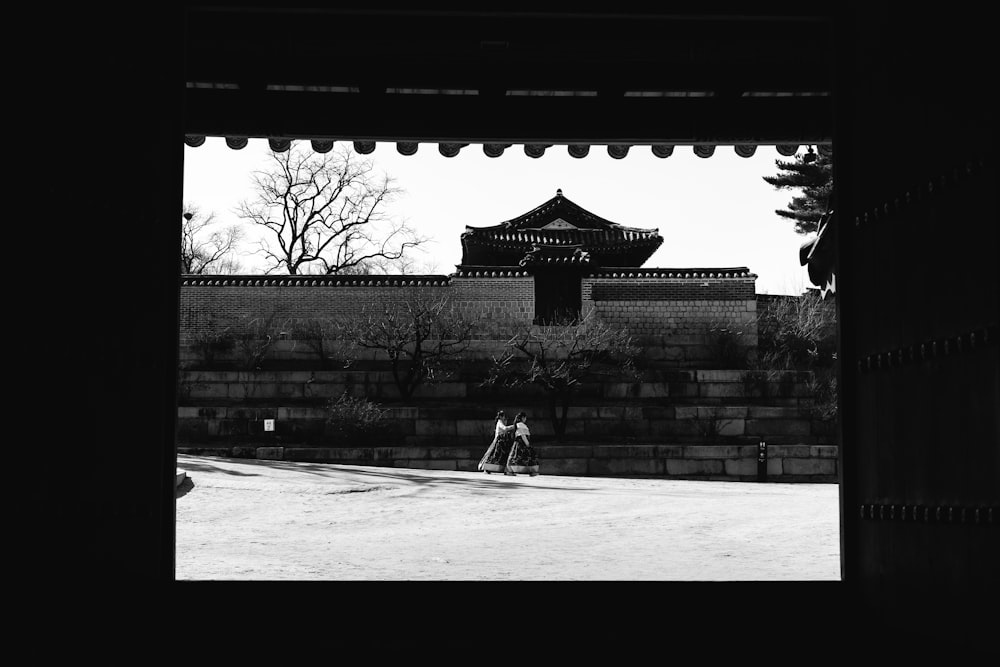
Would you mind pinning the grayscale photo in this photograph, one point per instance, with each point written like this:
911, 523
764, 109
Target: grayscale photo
647, 332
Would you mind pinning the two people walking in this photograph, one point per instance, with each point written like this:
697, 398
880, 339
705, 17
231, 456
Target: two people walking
511, 451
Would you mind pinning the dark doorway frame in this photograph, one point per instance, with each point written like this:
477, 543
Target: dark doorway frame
558, 295
106, 84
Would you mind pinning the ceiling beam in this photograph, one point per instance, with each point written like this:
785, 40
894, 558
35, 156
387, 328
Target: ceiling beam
447, 118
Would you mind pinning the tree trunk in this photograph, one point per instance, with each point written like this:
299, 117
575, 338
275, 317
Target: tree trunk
562, 418
558, 422
401, 383
415, 374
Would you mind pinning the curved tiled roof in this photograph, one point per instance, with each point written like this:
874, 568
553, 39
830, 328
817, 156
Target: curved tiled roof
557, 226
565, 237
559, 207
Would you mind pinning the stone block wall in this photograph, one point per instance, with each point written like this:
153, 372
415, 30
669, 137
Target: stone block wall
677, 418
665, 390
693, 424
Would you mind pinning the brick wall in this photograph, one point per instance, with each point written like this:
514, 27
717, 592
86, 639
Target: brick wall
665, 289
659, 307
677, 310
498, 304
766, 302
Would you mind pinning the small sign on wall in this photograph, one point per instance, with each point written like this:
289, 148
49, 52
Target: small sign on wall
268, 424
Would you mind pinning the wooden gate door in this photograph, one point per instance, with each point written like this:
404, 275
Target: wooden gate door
915, 155
557, 296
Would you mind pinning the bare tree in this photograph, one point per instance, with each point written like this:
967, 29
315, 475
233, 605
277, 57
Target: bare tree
424, 337
325, 212
560, 358
205, 247
406, 265
409, 265
324, 337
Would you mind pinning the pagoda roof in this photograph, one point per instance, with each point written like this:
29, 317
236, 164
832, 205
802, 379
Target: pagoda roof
557, 229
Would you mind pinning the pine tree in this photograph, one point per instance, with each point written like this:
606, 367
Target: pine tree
812, 174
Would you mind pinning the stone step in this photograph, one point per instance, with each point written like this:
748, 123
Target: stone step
693, 409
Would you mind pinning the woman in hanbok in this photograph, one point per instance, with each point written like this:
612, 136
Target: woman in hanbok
522, 455
495, 458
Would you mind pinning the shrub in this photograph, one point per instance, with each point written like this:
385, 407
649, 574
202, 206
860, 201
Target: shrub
764, 381
321, 336
208, 344
797, 332
800, 333
254, 338
728, 345
824, 389
355, 420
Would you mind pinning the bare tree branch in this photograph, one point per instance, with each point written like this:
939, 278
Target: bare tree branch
325, 213
424, 338
206, 248
559, 358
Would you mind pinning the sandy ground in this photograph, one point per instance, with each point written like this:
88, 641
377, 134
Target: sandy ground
274, 520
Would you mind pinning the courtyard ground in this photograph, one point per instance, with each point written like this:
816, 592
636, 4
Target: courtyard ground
241, 519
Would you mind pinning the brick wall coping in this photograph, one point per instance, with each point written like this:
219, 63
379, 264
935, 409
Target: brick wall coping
442, 280
483, 271
691, 274
315, 281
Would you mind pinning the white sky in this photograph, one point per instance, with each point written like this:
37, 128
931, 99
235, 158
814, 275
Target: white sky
711, 212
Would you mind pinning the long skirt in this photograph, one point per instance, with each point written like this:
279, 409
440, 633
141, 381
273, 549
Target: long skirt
495, 458
523, 458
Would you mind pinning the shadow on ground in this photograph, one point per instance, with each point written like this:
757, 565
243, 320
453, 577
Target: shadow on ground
202, 466
417, 477
184, 487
